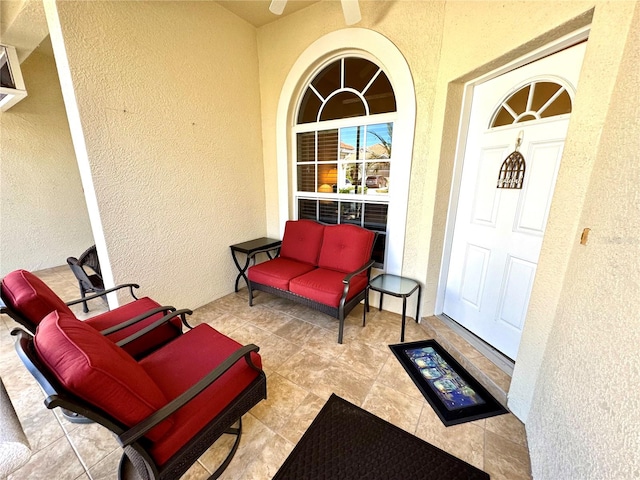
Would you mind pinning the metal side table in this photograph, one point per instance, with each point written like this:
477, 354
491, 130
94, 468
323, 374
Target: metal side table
251, 249
398, 287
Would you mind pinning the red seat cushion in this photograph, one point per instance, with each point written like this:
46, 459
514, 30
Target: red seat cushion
96, 370
345, 247
151, 340
278, 272
325, 286
31, 297
302, 241
181, 364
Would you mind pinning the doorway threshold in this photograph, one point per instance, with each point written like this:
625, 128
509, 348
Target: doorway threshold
487, 365
501, 361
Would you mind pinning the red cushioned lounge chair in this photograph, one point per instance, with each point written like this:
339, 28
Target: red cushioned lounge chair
167, 409
27, 299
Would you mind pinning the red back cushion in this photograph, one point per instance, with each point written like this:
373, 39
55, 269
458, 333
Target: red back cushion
302, 241
31, 297
345, 248
96, 370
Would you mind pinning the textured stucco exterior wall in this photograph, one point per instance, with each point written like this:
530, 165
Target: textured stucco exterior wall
584, 422
43, 215
169, 102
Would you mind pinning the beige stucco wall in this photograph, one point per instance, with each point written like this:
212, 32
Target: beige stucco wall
43, 215
584, 422
169, 102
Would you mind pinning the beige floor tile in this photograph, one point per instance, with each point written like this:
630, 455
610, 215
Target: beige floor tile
283, 398
465, 441
107, 467
93, 442
393, 375
57, 460
401, 410
324, 377
505, 460
509, 427
302, 417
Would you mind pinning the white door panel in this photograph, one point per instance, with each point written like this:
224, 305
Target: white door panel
498, 232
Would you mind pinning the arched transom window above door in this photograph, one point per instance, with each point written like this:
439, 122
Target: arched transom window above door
344, 162
533, 101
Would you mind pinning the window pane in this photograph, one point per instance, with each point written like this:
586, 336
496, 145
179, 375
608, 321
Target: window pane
518, 101
307, 209
306, 178
377, 177
375, 216
353, 174
380, 96
503, 118
351, 140
350, 212
542, 92
329, 212
358, 72
306, 147
379, 248
328, 177
343, 105
560, 106
309, 107
379, 140
328, 80
327, 145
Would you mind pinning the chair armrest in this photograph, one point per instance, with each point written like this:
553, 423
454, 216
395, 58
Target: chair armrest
138, 431
156, 324
346, 280
131, 286
164, 310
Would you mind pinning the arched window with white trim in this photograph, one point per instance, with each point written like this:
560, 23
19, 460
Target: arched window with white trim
343, 147
346, 118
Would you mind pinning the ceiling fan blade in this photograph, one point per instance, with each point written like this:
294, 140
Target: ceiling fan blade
277, 6
351, 10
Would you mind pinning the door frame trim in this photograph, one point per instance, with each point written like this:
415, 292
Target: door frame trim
562, 43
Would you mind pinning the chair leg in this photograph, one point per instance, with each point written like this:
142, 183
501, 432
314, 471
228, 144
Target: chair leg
366, 307
250, 294
85, 308
223, 466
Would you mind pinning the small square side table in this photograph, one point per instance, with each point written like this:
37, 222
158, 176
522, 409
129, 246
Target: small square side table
251, 249
398, 287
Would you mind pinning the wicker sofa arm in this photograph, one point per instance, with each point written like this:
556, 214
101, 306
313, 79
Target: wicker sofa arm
138, 431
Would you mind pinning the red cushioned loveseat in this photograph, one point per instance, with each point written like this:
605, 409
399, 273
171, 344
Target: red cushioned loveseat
325, 267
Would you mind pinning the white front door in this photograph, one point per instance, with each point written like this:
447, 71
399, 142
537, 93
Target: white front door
498, 232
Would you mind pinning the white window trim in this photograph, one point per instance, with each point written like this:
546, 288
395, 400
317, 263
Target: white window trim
333, 45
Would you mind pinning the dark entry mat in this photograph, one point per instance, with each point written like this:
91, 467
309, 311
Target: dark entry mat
347, 442
453, 393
